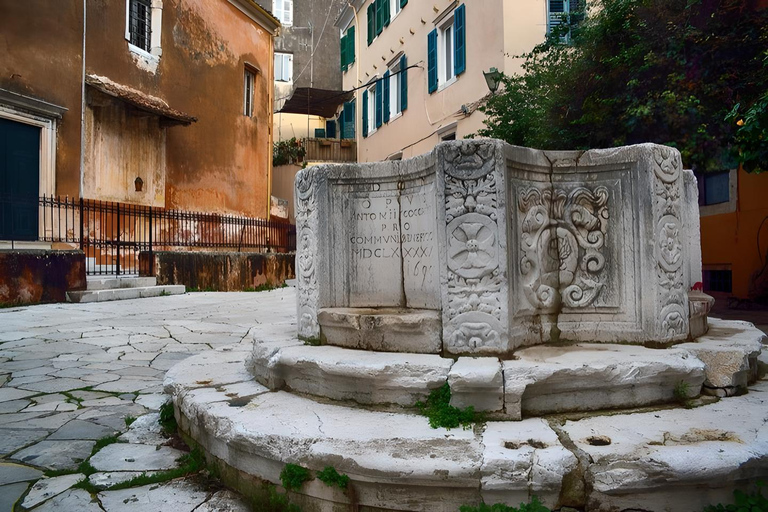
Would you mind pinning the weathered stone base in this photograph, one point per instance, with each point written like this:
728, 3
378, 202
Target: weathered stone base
33, 276
662, 460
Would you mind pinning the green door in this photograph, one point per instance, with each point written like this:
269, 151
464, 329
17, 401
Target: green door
19, 180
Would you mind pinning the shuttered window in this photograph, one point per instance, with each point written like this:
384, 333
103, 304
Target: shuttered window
403, 83
347, 47
386, 99
371, 17
460, 38
378, 100
432, 61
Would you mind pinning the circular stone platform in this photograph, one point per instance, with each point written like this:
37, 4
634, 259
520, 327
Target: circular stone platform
665, 458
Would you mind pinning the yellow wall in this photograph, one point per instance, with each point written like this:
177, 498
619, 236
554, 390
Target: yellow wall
288, 126
731, 238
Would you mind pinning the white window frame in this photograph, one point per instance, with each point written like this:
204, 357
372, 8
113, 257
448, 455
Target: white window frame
395, 81
372, 128
249, 86
446, 67
394, 9
152, 57
285, 15
285, 58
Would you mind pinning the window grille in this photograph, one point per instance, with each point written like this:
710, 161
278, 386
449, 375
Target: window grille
249, 86
140, 19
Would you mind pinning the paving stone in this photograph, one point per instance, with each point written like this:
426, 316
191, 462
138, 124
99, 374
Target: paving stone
100, 378
7, 394
145, 430
41, 370
56, 385
13, 406
115, 422
224, 501
166, 360
14, 439
70, 501
78, 429
11, 473
126, 385
100, 402
49, 487
179, 496
135, 457
153, 401
48, 422
56, 454
62, 406
103, 480
10, 494
54, 397
89, 395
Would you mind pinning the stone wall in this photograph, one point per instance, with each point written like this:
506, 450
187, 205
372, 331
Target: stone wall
34, 276
219, 271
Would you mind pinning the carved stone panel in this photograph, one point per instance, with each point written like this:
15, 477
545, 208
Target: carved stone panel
307, 227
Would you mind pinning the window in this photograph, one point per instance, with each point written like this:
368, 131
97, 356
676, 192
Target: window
718, 280
283, 10
397, 89
714, 188
140, 24
250, 79
283, 67
563, 13
371, 106
395, 8
446, 50
347, 121
380, 13
347, 47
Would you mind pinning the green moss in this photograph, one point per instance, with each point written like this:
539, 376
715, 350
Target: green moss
332, 478
753, 502
534, 506
274, 502
441, 413
293, 476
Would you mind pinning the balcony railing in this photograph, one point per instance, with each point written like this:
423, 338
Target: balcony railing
330, 150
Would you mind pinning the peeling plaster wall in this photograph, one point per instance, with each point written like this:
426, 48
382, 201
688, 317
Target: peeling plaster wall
31, 277
41, 49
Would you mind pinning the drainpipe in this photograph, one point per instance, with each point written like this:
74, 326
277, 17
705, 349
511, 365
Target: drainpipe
82, 112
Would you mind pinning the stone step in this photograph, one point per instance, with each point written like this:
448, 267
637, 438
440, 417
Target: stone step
111, 282
540, 380
124, 293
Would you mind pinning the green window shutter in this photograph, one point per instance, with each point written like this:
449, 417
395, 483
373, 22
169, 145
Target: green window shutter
460, 39
365, 113
351, 45
350, 121
385, 96
403, 83
379, 104
371, 23
387, 11
379, 16
432, 61
402, 3
344, 56
341, 122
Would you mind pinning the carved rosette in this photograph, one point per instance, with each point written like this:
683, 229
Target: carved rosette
307, 226
476, 282
672, 317
562, 237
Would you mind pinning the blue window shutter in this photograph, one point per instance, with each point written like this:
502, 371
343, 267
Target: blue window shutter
351, 120
371, 23
386, 11
330, 129
403, 83
379, 104
385, 96
403, 3
350, 45
365, 113
341, 122
344, 57
432, 61
460, 39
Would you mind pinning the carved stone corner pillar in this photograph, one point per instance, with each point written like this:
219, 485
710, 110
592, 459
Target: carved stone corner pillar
307, 252
473, 241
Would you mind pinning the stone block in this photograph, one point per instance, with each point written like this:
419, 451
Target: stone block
382, 329
477, 382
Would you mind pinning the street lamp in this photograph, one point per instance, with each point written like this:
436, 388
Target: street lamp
493, 79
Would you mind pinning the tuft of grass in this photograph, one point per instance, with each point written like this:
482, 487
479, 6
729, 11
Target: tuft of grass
332, 478
293, 476
165, 293
681, 394
129, 420
534, 506
206, 289
167, 419
441, 413
753, 502
104, 441
266, 287
274, 502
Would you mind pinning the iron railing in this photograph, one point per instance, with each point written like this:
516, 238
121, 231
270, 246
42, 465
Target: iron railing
112, 234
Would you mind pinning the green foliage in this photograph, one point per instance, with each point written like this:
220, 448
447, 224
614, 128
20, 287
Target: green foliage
681, 391
266, 287
129, 420
330, 477
274, 502
167, 419
288, 152
664, 71
754, 502
534, 506
293, 476
440, 413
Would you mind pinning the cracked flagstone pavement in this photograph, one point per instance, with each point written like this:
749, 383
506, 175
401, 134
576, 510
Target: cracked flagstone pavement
71, 374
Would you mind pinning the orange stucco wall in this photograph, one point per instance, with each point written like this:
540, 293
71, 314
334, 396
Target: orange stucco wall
731, 238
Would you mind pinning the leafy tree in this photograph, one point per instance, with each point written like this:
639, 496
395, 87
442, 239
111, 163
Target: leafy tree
687, 73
